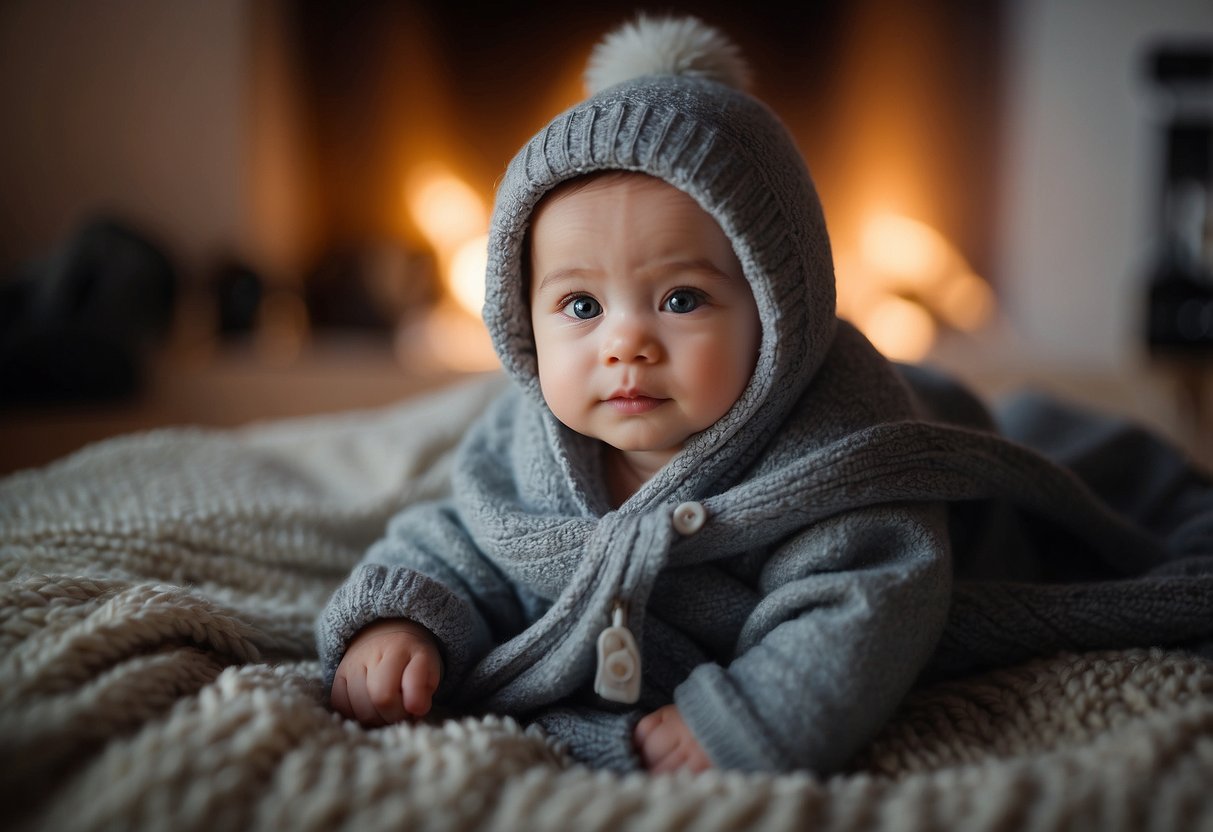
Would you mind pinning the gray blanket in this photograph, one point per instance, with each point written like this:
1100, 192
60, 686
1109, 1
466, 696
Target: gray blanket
1059, 589
157, 671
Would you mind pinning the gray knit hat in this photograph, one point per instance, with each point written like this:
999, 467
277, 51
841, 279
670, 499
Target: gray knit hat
673, 117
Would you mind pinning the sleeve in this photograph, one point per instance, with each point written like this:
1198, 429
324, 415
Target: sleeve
426, 569
851, 610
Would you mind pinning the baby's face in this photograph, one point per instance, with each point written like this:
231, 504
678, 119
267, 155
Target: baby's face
645, 327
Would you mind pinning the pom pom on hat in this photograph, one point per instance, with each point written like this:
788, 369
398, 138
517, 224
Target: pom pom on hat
665, 46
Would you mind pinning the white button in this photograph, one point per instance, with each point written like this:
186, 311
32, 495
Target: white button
689, 518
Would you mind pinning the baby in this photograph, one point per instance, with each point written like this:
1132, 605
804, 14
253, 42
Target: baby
640, 554
646, 333
707, 526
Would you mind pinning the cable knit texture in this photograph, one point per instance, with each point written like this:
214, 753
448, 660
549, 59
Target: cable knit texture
156, 672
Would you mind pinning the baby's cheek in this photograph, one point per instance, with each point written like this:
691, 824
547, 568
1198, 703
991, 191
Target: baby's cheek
717, 381
563, 389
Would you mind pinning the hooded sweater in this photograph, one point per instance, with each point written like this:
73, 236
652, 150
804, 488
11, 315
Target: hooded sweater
813, 583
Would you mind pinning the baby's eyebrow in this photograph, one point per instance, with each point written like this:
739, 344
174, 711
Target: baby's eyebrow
699, 264
558, 275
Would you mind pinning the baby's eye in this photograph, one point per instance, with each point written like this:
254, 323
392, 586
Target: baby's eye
583, 307
682, 301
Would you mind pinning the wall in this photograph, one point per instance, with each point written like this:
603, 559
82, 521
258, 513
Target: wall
134, 107
145, 108
1080, 175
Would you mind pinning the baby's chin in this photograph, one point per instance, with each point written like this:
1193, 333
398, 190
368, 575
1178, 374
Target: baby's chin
637, 441
648, 450
640, 442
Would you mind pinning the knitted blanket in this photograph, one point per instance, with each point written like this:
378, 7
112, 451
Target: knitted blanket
157, 670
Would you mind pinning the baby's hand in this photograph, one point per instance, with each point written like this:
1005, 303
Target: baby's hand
389, 672
666, 743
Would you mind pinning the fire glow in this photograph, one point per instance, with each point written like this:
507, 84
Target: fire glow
454, 219
900, 284
903, 282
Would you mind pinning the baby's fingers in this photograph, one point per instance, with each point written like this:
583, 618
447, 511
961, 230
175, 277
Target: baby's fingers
339, 697
675, 759
385, 693
420, 681
645, 727
349, 697
657, 746
665, 743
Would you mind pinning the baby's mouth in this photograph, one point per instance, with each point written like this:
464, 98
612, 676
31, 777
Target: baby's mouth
634, 403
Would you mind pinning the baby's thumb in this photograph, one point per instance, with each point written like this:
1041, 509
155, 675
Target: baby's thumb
420, 682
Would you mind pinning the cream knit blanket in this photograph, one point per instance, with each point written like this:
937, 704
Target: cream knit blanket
157, 672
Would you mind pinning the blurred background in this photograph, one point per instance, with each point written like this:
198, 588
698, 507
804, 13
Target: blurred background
220, 211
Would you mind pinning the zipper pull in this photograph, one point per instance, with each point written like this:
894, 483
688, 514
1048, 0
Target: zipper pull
618, 678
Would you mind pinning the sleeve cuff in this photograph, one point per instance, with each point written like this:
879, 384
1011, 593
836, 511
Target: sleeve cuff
374, 592
721, 721
597, 738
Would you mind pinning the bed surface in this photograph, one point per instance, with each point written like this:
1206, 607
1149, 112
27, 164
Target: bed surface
157, 671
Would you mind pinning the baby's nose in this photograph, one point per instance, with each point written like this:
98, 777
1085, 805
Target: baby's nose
629, 342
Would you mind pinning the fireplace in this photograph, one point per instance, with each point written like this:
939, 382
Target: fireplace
400, 116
